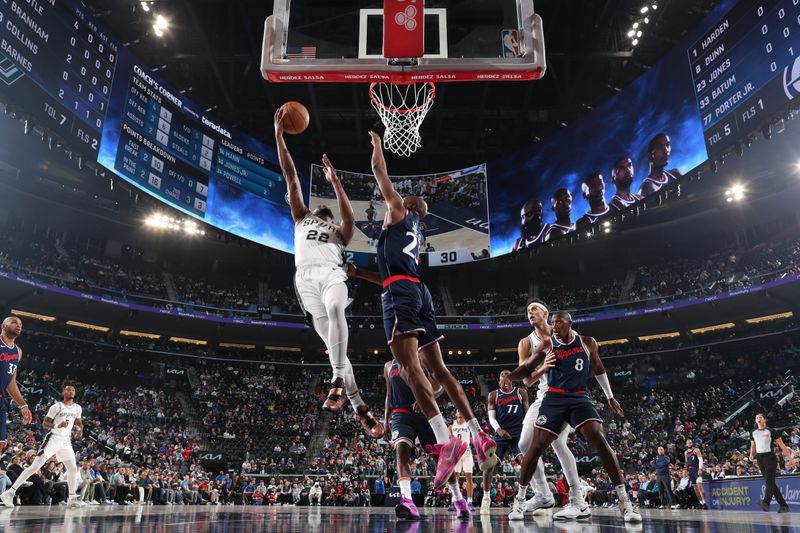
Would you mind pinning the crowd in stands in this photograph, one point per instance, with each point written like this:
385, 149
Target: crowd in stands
258, 411
141, 444
133, 275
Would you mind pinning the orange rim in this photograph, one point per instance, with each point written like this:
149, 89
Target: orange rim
401, 111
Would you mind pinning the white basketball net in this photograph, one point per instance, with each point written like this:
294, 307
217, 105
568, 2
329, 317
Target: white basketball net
402, 108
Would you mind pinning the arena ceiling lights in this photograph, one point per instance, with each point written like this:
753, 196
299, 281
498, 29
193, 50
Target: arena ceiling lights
709, 329
767, 318
659, 336
140, 334
612, 342
84, 325
637, 29
35, 316
237, 346
184, 340
161, 221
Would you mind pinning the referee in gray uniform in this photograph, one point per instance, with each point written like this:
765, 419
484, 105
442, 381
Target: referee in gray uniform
762, 441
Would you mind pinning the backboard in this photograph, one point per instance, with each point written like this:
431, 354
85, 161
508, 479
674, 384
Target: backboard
349, 41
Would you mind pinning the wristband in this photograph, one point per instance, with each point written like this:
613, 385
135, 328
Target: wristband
23, 406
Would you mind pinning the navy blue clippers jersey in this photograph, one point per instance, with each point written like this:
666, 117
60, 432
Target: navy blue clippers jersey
9, 360
510, 412
692, 460
572, 369
400, 395
398, 248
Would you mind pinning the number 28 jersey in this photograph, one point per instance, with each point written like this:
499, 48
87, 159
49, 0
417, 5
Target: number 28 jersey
317, 243
398, 248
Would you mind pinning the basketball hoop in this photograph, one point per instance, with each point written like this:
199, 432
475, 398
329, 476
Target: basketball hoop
402, 108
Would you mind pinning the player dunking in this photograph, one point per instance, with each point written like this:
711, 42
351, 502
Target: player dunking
466, 464
59, 421
567, 402
407, 425
10, 356
410, 325
320, 278
507, 407
543, 499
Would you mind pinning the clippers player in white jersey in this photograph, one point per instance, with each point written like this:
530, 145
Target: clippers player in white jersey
466, 464
543, 499
59, 421
320, 279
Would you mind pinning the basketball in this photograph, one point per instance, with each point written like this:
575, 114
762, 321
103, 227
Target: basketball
295, 118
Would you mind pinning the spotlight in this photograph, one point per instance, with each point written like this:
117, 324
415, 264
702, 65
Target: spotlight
160, 26
145, 6
459, 352
449, 352
635, 42
606, 224
644, 9
736, 193
469, 352
375, 352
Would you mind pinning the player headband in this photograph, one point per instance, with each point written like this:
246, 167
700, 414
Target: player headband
539, 305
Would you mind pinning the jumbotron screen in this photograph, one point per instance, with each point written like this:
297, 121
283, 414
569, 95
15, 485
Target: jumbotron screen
735, 70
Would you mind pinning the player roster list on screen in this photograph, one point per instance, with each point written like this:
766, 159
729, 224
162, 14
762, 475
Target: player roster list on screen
58, 65
745, 69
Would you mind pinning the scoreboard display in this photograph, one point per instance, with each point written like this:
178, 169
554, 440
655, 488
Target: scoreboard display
64, 70
746, 69
58, 65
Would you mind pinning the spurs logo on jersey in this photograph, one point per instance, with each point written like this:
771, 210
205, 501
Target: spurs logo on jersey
317, 242
461, 431
542, 388
60, 412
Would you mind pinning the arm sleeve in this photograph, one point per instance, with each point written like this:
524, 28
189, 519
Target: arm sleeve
602, 379
493, 420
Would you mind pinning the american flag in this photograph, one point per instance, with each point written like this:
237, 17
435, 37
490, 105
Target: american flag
301, 52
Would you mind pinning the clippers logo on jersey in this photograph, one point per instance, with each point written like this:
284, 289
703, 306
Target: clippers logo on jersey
571, 369
9, 359
692, 460
510, 412
398, 248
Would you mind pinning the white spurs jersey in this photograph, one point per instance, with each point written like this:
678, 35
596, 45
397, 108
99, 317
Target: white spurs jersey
317, 243
461, 431
60, 412
542, 388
